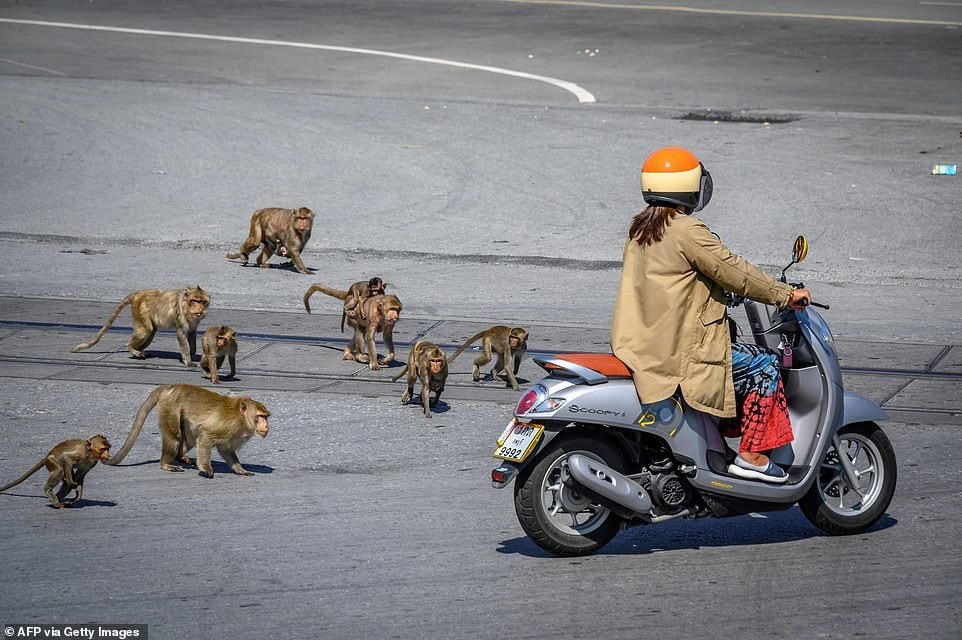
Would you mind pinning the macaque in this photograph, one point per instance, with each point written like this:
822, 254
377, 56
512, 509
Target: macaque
352, 298
372, 315
510, 345
218, 343
194, 416
426, 363
153, 309
68, 462
281, 231
359, 292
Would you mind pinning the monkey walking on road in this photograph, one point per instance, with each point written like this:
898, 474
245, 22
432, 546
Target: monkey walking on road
152, 309
281, 231
352, 298
218, 343
68, 462
192, 416
509, 344
377, 314
426, 363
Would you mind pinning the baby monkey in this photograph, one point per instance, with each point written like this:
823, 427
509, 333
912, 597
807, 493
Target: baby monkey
427, 363
68, 462
218, 342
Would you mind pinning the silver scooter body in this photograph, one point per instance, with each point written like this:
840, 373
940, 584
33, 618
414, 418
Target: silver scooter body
817, 402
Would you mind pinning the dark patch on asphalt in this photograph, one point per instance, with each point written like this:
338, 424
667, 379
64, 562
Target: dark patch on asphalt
748, 117
365, 253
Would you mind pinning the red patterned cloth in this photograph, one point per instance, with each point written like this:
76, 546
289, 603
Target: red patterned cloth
762, 421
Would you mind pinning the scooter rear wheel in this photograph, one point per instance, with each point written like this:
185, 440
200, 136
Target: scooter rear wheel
832, 504
555, 516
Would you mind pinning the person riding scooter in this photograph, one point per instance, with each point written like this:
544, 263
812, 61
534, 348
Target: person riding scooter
670, 319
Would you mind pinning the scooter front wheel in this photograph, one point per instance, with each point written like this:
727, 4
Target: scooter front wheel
833, 504
556, 516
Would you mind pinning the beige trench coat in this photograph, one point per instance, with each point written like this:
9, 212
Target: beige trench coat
669, 324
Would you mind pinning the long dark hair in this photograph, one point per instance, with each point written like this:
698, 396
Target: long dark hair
648, 227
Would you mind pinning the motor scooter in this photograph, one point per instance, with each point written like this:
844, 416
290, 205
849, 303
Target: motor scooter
588, 459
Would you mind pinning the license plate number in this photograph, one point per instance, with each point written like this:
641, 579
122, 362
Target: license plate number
518, 441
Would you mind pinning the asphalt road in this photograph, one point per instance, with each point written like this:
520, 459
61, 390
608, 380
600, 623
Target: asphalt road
452, 149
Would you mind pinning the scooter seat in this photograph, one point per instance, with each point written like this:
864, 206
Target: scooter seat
604, 363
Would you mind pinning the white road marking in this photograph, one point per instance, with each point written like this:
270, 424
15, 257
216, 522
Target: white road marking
32, 66
942, 4
735, 12
581, 94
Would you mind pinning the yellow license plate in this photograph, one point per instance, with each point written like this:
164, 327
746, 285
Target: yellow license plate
518, 441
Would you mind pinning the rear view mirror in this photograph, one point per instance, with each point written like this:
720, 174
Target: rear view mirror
799, 253
800, 250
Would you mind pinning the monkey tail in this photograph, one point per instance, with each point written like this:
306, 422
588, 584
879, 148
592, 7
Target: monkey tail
26, 475
401, 372
334, 293
464, 346
110, 321
139, 420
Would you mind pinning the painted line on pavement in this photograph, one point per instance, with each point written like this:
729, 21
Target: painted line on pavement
737, 12
583, 95
32, 66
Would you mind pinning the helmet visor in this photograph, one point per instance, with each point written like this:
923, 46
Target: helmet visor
704, 190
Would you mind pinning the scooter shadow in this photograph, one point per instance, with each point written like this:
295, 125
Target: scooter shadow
772, 528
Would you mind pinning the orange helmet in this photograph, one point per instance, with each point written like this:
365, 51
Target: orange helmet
674, 176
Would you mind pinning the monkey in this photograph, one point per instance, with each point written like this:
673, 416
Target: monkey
194, 416
427, 363
152, 309
356, 293
284, 231
218, 342
510, 345
68, 462
373, 315
376, 314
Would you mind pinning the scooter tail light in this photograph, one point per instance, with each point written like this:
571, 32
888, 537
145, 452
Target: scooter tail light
501, 476
532, 398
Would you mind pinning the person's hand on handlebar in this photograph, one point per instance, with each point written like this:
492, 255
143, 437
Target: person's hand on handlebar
801, 298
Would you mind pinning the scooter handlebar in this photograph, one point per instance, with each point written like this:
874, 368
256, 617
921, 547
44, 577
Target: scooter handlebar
804, 302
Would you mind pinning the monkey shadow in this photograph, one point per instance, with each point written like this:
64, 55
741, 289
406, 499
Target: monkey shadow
217, 465
504, 380
284, 266
84, 502
161, 355
79, 504
440, 407
222, 467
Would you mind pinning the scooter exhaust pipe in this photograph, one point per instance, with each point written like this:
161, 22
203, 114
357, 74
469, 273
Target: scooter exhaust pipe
608, 483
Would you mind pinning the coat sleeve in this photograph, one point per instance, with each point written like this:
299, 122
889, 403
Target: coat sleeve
712, 258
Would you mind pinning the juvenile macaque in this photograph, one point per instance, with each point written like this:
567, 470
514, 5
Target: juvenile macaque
218, 343
426, 363
510, 345
153, 309
372, 315
68, 462
192, 416
281, 231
